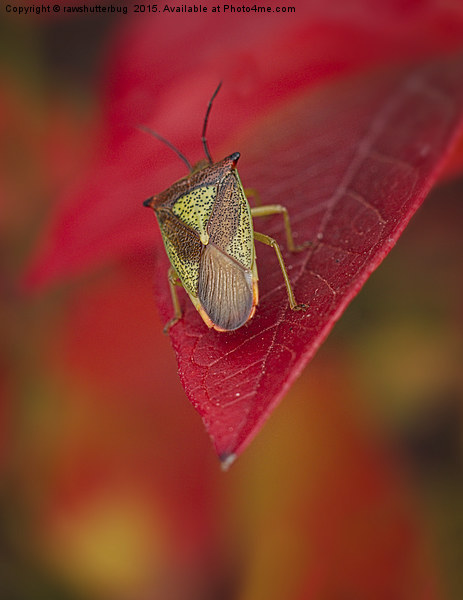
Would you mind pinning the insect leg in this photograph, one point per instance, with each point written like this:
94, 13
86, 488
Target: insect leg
265, 239
173, 281
273, 209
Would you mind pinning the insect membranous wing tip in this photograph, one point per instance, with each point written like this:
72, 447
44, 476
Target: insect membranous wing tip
225, 289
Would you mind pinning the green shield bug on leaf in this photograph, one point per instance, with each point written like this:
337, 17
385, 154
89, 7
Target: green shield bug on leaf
207, 229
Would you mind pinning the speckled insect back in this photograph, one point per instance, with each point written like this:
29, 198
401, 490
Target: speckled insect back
206, 224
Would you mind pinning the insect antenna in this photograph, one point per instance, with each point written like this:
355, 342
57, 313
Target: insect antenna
206, 118
168, 144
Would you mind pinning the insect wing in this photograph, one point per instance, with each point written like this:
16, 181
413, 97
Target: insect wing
183, 248
230, 225
226, 287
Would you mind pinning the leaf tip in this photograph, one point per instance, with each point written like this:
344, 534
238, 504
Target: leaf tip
227, 459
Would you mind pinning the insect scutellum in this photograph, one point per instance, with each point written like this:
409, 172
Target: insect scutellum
207, 228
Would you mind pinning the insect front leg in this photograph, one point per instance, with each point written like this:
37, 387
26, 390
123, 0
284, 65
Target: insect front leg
278, 209
173, 281
265, 239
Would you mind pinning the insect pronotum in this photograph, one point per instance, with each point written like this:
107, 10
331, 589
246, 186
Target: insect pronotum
207, 228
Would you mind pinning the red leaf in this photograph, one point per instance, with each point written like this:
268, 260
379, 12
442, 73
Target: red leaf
352, 162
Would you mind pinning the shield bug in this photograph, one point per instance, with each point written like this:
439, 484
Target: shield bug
207, 229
